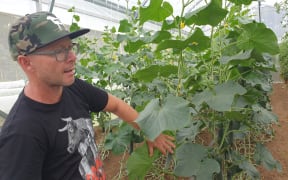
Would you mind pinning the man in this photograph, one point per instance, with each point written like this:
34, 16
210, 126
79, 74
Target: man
48, 134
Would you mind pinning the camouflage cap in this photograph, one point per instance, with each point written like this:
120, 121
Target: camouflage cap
35, 31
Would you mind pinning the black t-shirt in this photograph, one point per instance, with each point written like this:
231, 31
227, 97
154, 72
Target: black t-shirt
52, 141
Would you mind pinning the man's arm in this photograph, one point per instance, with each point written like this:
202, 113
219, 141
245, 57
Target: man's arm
128, 114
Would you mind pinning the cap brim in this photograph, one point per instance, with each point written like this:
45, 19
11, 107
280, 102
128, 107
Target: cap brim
71, 35
78, 33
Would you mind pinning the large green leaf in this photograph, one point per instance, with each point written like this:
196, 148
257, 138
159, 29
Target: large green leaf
258, 36
211, 14
198, 41
139, 163
133, 46
120, 140
188, 133
221, 97
264, 157
243, 55
192, 160
171, 113
156, 11
154, 71
160, 36
263, 116
258, 78
175, 44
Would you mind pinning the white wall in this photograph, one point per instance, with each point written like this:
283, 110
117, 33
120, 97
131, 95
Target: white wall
91, 15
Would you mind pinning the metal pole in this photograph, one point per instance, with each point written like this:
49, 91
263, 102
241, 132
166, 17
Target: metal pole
51, 5
259, 10
38, 5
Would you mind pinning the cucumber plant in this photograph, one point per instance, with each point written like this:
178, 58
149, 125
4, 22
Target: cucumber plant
203, 72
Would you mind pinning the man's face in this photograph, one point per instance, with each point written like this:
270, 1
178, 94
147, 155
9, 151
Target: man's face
54, 65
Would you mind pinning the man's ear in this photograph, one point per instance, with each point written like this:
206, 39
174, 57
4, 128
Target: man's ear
24, 62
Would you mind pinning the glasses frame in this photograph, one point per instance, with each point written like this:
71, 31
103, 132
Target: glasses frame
54, 53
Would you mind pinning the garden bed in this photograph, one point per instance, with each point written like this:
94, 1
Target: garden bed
114, 165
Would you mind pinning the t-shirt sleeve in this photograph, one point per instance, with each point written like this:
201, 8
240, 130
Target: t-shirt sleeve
96, 98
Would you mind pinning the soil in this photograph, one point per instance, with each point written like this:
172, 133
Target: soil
278, 146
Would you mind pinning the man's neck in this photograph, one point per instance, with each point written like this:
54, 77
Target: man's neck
43, 93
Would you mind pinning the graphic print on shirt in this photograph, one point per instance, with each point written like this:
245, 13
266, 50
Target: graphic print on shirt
81, 138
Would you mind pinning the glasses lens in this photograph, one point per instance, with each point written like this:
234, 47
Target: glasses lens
75, 48
62, 55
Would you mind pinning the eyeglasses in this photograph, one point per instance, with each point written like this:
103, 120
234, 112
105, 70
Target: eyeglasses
60, 54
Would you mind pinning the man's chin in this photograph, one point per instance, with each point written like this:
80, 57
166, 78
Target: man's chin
70, 82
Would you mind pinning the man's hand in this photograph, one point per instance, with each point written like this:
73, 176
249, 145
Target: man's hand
163, 142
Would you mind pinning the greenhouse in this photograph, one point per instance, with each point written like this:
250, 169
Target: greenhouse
209, 74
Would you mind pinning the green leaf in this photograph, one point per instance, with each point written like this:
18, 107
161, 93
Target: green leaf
81, 69
239, 2
188, 133
192, 160
74, 27
122, 37
211, 14
258, 78
170, 24
175, 44
242, 55
198, 41
72, 9
263, 116
234, 74
124, 26
128, 58
139, 163
256, 35
244, 164
250, 169
154, 71
171, 113
156, 11
221, 97
112, 68
120, 140
118, 144
240, 102
133, 46
264, 157
160, 36
76, 18
113, 123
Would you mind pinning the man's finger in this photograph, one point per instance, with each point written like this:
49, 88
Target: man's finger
162, 150
170, 137
150, 149
171, 144
169, 147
